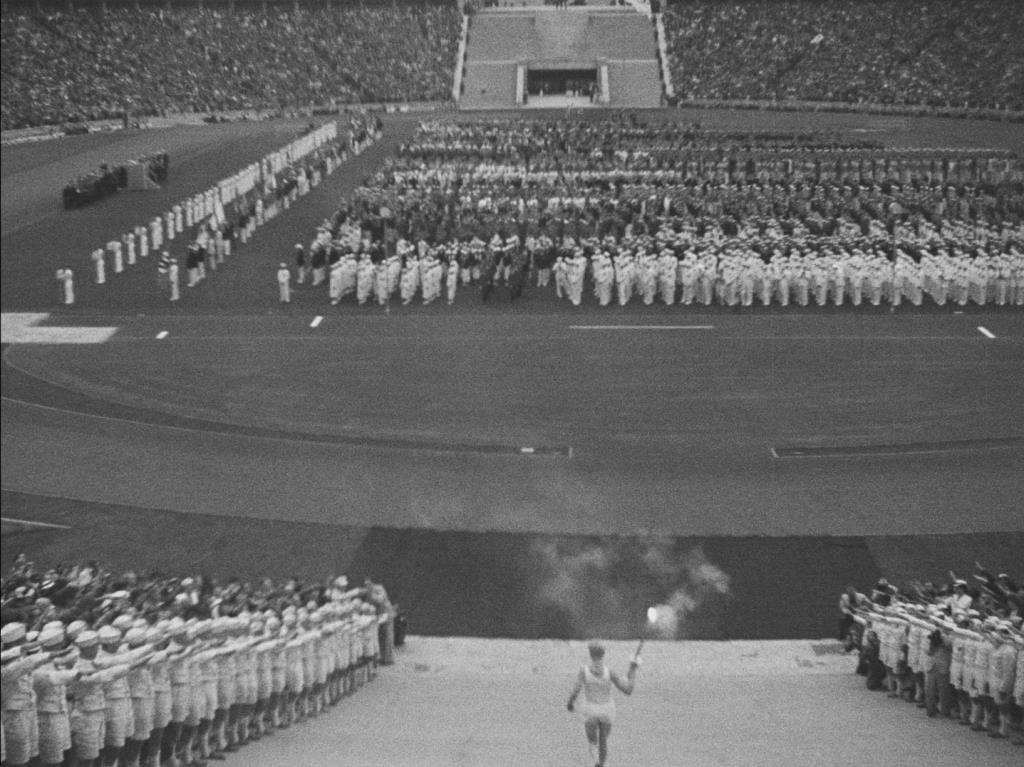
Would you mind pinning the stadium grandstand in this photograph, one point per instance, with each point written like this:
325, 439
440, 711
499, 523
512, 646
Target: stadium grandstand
615, 338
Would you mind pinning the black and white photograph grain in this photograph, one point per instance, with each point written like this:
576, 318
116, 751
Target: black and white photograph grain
512, 383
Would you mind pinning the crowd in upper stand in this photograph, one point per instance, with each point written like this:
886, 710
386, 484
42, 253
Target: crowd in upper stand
64, 65
925, 52
84, 65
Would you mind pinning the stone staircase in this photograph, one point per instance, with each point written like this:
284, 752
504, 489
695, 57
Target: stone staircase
500, 39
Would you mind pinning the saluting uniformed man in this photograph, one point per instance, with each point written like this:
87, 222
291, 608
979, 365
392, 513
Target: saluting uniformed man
20, 720
89, 715
1002, 665
116, 692
50, 682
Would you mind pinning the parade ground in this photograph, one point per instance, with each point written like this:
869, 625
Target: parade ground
521, 476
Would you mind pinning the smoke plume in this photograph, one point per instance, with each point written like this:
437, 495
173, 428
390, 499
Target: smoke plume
604, 589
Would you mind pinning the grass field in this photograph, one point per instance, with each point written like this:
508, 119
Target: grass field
391, 437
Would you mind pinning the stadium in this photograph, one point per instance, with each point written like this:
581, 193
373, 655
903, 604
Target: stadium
365, 365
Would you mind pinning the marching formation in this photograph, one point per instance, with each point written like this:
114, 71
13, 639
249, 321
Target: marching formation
675, 214
954, 651
171, 672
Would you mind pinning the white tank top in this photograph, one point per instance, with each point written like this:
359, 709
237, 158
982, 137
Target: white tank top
597, 689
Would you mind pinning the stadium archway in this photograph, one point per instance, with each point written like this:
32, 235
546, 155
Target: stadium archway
546, 83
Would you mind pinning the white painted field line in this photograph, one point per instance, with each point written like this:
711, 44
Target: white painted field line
641, 327
162, 335
316, 321
986, 332
29, 523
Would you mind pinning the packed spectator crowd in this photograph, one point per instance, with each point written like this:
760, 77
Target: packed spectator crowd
674, 213
88, 64
955, 649
924, 52
148, 668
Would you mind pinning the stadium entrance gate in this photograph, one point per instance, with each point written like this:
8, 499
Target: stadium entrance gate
572, 83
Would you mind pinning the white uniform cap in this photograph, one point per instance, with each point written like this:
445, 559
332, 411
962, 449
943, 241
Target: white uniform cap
135, 637
75, 628
122, 622
51, 635
140, 623
87, 639
176, 627
12, 632
53, 625
109, 635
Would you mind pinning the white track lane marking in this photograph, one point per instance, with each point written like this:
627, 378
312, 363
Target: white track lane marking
641, 327
986, 332
316, 321
29, 523
162, 335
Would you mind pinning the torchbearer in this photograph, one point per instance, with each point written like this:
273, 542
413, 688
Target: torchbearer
66, 278
98, 257
598, 708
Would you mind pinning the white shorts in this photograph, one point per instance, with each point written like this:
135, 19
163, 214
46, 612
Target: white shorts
599, 712
226, 691
142, 718
88, 733
21, 730
119, 721
54, 736
278, 678
181, 701
161, 708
